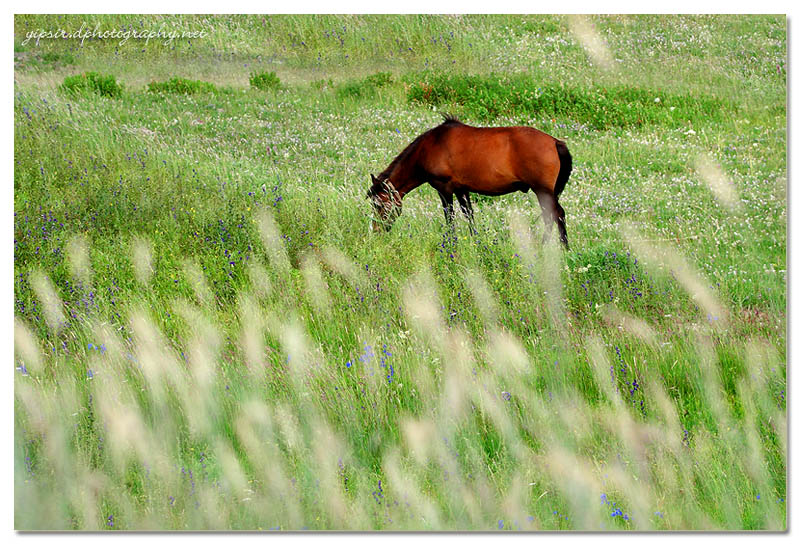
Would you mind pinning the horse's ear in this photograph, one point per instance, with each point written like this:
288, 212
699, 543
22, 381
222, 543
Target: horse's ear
374, 179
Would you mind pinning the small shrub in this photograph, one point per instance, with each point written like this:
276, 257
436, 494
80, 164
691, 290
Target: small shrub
54, 58
322, 84
264, 81
366, 87
179, 85
489, 97
380, 79
92, 82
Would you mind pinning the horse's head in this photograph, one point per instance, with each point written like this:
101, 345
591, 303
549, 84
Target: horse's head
386, 203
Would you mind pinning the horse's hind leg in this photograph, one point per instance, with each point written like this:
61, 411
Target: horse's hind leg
562, 225
466, 209
549, 212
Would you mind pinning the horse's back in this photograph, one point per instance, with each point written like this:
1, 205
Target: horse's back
493, 160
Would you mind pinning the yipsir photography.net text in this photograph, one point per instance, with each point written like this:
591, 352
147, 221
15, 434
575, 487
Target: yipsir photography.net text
122, 34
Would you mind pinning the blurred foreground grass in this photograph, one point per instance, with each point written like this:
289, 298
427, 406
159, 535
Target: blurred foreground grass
206, 337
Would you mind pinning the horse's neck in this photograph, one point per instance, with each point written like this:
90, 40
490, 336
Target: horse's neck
404, 183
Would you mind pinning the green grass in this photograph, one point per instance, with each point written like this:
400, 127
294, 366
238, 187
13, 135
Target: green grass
92, 82
229, 348
264, 80
179, 85
488, 97
366, 88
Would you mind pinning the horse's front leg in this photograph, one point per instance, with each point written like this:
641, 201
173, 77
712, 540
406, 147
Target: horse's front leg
466, 209
447, 204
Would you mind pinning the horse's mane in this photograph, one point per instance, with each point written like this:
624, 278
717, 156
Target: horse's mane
447, 120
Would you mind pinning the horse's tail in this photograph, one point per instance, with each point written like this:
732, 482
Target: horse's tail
566, 167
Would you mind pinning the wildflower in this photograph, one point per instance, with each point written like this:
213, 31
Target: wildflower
368, 353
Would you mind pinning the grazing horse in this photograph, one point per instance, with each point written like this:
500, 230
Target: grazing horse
457, 159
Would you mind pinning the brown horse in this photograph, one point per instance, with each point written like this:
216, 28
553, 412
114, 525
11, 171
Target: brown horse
457, 159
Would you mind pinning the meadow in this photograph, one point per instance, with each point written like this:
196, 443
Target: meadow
207, 336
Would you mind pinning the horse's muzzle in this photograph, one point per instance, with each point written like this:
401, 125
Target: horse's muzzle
380, 226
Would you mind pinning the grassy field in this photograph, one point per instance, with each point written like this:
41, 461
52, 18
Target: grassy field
207, 336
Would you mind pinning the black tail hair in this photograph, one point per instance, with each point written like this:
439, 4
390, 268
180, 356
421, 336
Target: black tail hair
566, 166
